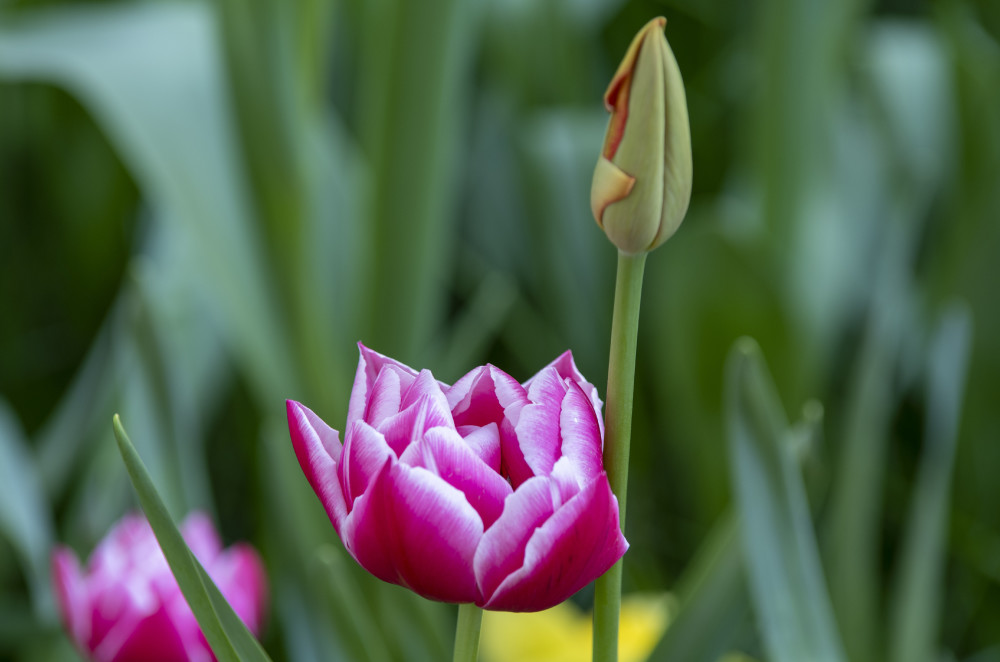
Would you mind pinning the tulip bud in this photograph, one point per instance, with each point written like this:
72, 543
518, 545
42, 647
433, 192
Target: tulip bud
642, 182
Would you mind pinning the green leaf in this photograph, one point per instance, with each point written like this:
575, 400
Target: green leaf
414, 59
713, 601
167, 111
225, 632
917, 596
361, 638
787, 589
24, 510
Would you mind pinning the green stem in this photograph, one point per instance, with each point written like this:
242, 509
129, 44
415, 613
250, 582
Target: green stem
617, 438
470, 618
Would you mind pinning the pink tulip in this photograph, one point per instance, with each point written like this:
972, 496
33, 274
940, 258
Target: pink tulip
488, 491
127, 606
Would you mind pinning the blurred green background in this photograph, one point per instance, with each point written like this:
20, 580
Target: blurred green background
205, 205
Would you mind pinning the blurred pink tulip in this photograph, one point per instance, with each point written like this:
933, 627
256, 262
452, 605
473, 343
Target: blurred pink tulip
488, 491
127, 606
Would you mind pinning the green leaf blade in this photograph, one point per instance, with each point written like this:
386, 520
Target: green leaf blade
917, 596
786, 582
226, 633
24, 510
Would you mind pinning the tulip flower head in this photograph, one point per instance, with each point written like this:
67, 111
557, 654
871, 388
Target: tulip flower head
487, 491
126, 606
642, 182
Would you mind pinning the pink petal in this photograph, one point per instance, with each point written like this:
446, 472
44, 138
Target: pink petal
501, 551
547, 388
365, 453
426, 387
384, 396
580, 542
537, 429
513, 464
473, 399
318, 450
487, 395
129, 532
370, 364
71, 594
436, 533
450, 458
239, 574
512, 396
415, 530
565, 481
581, 435
193, 642
200, 535
153, 638
430, 410
566, 367
461, 389
484, 442
366, 529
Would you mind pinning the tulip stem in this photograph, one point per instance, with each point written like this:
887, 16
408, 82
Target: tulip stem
470, 619
617, 438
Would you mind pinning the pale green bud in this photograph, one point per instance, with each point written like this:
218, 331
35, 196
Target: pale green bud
642, 182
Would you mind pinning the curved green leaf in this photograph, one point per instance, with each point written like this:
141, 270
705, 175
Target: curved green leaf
787, 588
226, 634
713, 600
917, 595
24, 510
152, 76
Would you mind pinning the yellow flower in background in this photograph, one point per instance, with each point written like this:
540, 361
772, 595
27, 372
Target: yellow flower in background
563, 633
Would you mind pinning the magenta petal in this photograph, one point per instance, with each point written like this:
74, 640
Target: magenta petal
71, 595
462, 389
318, 449
484, 442
547, 388
415, 530
581, 435
384, 397
537, 429
240, 576
436, 533
510, 394
370, 364
513, 464
201, 537
430, 411
473, 399
426, 387
366, 532
155, 637
460, 467
566, 367
501, 551
580, 542
566, 481
128, 607
365, 453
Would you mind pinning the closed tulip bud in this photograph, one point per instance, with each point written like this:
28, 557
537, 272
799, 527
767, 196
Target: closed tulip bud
642, 182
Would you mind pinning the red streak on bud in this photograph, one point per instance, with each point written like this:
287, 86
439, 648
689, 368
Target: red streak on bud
618, 107
617, 96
